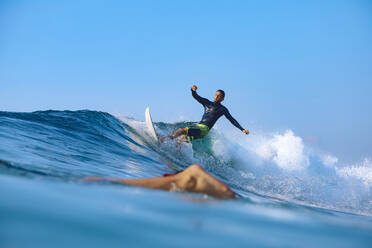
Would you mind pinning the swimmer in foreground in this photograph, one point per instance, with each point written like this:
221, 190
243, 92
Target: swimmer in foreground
193, 179
212, 112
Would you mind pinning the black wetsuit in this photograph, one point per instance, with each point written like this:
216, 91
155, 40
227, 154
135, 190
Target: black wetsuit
213, 111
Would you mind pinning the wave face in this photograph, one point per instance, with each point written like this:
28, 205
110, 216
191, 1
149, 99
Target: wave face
68, 145
277, 165
55, 147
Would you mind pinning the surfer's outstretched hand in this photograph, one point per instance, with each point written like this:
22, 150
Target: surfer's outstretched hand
245, 131
194, 88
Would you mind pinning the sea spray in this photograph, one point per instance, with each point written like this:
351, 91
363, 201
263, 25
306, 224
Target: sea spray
275, 164
70, 145
282, 166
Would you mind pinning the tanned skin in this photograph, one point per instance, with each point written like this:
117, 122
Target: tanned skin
193, 179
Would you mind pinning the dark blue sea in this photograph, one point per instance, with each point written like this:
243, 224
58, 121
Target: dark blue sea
289, 194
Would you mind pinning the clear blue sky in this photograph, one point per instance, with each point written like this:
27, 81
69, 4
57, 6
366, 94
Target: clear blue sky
301, 65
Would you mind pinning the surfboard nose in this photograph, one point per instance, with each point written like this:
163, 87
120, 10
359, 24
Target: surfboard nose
150, 125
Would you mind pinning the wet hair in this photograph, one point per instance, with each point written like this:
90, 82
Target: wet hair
222, 92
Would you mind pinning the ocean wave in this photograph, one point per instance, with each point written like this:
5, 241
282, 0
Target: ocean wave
69, 145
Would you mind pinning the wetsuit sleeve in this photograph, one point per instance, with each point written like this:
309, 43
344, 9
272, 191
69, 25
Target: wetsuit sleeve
232, 120
200, 99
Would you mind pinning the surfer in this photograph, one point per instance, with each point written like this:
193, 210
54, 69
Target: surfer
212, 112
193, 179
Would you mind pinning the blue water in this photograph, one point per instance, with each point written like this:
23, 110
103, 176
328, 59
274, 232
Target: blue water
291, 199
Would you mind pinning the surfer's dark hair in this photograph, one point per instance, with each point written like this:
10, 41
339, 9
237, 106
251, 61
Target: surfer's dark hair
222, 92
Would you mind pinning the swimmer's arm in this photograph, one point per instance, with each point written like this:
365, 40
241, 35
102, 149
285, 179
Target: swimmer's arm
193, 179
235, 122
163, 183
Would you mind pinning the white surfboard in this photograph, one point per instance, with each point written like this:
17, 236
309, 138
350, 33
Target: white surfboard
150, 125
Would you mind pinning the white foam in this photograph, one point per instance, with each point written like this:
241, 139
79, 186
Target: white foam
306, 175
328, 160
221, 148
281, 165
361, 171
286, 150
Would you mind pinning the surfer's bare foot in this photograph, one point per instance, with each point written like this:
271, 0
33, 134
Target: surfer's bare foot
193, 179
179, 132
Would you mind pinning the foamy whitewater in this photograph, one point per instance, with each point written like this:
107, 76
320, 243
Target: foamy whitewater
281, 165
290, 194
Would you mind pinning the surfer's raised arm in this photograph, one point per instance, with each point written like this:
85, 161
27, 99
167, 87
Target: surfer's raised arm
200, 99
234, 122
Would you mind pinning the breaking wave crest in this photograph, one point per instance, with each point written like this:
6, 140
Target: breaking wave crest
69, 145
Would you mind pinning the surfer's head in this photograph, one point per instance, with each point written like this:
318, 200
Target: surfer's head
220, 96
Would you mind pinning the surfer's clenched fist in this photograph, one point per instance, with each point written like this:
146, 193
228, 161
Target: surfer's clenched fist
194, 88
